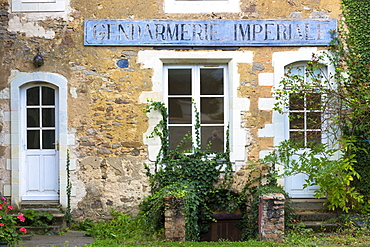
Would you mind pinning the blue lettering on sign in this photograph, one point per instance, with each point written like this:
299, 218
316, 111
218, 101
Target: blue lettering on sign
220, 32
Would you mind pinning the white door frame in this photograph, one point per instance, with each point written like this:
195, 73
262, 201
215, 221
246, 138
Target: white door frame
279, 61
38, 171
17, 81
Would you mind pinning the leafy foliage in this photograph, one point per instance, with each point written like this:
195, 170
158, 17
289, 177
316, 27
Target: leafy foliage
192, 176
121, 229
9, 231
354, 53
324, 167
345, 122
262, 180
35, 218
68, 214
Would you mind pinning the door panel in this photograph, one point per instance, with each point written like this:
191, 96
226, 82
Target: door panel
294, 186
41, 154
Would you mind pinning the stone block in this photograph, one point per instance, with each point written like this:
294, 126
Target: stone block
169, 224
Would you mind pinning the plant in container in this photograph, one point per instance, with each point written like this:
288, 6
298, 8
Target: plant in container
9, 231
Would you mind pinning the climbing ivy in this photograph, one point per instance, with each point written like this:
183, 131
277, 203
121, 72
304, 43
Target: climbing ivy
68, 214
195, 177
354, 50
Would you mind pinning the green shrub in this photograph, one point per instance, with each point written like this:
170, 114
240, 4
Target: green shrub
36, 218
121, 229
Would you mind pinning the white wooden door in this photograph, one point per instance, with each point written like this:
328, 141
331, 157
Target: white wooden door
41, 152
294, 186
304, 123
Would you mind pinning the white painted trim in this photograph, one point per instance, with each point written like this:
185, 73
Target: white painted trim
17, 81
196, 94
38, 5
156, 59
173, 6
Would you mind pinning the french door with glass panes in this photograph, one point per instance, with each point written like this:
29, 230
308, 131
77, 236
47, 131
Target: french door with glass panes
304, 125
41, 145
203, 87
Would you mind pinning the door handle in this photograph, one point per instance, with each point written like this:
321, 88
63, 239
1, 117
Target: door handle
56, 144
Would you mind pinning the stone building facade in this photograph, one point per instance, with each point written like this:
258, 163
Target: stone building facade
87, 99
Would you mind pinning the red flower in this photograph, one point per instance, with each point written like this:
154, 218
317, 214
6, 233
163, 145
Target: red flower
21, 217
22, 229
1, 224
10, 207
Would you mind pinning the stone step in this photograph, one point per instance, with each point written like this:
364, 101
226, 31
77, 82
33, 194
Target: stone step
51, 230
319, 226
45, 206
39, 204
308, 204
314, 215
58, 222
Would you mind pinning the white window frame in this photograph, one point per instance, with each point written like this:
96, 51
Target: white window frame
305, 111
40, 107
175, 6
38, 5
196, 96
156, 60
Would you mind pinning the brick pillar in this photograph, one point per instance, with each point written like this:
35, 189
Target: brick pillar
174, 223
271, 217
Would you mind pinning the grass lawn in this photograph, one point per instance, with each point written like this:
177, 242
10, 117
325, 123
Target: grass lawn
291, 239
125, 231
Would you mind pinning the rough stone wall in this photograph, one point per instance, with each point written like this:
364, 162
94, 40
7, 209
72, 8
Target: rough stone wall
6, 38
104, 110
174, 222
271, 218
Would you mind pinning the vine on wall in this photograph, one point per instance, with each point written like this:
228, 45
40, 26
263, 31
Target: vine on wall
199, 179
354, 50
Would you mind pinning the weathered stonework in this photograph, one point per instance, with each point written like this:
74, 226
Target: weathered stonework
106, 127
174, 221
271, 217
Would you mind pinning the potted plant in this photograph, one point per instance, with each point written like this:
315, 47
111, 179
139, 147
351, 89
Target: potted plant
9, 232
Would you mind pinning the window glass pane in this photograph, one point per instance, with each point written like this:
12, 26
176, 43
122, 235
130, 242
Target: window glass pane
212, 110
177, 135
314, 137
314, 76
33, 117
180, 110
48, 97
314, 120
33, 139
33, 96
297, 137
212, 138
48, 139
48, 117
313, 101
296, 120
179, 81
297, 70
296, 101
212, 81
